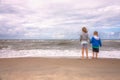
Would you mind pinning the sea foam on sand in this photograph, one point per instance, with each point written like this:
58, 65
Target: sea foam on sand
54, 53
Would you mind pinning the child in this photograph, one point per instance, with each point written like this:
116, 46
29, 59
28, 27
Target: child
84, 41
96, 43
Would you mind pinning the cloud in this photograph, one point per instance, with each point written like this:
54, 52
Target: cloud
56, 18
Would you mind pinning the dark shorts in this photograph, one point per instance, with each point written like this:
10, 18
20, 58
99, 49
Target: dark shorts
95, 49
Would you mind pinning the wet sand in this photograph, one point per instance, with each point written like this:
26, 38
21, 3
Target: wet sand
59, 69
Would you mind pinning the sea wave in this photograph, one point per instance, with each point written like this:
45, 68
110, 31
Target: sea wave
54, 53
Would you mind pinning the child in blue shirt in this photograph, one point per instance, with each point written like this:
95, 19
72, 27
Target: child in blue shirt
96, 43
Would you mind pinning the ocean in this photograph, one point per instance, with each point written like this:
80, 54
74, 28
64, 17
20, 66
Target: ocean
54, 48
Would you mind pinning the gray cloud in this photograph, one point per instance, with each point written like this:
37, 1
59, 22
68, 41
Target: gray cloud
56, 19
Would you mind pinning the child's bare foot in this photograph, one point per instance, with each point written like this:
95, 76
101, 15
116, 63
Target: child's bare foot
82, 57
96, 58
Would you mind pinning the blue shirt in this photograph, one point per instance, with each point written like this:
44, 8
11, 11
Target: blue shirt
96, 42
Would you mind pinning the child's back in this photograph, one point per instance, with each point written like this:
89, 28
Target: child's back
84, 37
96, 43
84, 41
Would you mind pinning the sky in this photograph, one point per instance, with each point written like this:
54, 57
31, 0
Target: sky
58, 19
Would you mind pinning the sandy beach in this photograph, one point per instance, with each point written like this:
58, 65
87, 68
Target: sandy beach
59, 69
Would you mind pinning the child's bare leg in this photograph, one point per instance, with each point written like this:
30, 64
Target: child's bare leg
93, 55
82, 53
96, 55
87, 53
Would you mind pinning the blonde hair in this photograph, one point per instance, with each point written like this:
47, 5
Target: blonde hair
96, 33
84, 29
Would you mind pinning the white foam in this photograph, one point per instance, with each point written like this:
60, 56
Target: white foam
6, 53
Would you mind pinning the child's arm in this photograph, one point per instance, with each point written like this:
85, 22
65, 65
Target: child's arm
91, 40
88, 38
80, 38
100, 43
